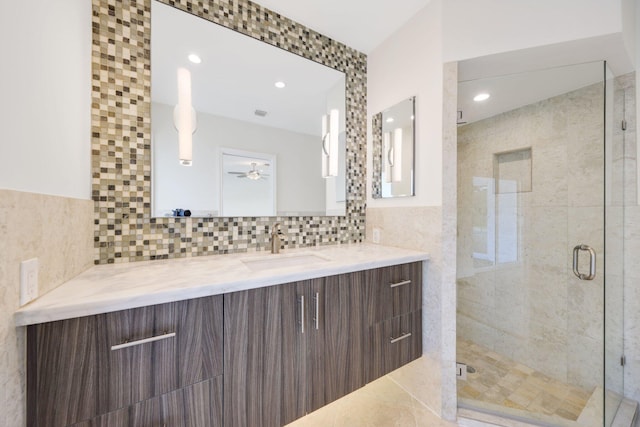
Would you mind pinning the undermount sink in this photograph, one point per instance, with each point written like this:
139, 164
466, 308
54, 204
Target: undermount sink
283, 261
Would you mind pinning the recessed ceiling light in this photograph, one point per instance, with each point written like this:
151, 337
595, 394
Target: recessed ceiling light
481, 97
280, 85
390, 120
195, 58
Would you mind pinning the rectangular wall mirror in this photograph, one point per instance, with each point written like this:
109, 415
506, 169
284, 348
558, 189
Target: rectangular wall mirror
393, 151
250, 96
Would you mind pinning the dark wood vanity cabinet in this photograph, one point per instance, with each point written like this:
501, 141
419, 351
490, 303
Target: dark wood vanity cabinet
394, 317
285, 350
290, 349
143, 362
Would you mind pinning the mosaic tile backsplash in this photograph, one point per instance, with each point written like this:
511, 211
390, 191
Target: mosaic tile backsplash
121, 137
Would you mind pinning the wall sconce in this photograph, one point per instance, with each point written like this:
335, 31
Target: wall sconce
184, 118
330, 131
392, 143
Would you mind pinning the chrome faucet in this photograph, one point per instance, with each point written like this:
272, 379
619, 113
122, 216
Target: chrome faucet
275, 238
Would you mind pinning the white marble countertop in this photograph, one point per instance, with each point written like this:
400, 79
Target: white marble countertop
107, 288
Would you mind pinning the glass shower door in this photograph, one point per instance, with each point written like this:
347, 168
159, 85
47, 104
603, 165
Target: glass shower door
531, 241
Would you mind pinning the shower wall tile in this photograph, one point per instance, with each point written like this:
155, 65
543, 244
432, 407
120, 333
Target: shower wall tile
544, 238
535, 311
551, 350
549, 174
614, 328
583, 368
547, 302
121, 137
632, 337
632, 302
584, 146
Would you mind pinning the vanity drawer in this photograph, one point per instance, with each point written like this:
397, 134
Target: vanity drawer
394, 342
198, 405
149, 351
84, 367
393, 291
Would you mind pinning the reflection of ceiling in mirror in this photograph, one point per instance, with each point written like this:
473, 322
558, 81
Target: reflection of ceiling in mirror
237, 74
398, 116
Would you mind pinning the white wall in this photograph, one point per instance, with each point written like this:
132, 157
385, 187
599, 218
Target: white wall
475, 28
410, 63
45, 86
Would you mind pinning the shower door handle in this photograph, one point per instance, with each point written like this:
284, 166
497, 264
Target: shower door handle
592, 262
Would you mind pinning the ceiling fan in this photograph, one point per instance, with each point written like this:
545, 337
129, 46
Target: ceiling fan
253, 174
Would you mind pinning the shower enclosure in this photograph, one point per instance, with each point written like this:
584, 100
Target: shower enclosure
539, 253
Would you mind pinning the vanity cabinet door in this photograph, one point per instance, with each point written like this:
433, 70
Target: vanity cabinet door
253, 359
274, 354
303, 314
166, 347
345, 335
61, 372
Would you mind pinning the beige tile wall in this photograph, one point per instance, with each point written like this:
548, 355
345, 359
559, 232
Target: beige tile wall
627, 157
535, 310
59, 232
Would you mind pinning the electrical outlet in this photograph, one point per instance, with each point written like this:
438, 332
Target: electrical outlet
28, 280
376, 235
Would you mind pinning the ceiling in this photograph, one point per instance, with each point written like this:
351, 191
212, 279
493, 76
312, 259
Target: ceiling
360, 24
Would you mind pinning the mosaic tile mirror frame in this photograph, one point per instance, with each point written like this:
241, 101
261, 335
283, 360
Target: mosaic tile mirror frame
121, 137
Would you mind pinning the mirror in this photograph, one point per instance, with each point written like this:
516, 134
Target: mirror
237, 106
393, 151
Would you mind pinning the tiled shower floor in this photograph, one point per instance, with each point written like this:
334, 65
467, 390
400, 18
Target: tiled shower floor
501, 382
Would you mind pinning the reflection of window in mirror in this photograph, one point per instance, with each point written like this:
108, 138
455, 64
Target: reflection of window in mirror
393, 151
483, 222
495, 231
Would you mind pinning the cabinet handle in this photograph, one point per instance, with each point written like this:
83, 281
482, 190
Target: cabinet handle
302, 314
143, 341
401, 283
316, 318
400, 338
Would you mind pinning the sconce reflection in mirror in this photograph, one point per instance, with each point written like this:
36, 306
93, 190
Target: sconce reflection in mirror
330, 132
393, 151
184, 118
